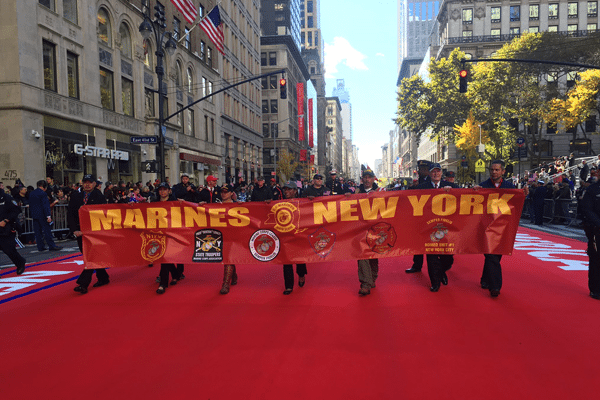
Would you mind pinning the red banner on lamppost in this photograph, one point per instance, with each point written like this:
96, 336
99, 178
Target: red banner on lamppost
310, 124
302, 155
300, 97
301, 135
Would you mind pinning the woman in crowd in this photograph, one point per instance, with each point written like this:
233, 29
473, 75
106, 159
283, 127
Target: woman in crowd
229, 273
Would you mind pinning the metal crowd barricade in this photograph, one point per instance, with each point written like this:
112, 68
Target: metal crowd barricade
59, 216
550, 213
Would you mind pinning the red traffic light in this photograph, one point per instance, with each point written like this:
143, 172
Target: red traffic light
282, 82
463, 73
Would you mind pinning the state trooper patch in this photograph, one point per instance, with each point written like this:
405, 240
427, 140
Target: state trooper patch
208, 246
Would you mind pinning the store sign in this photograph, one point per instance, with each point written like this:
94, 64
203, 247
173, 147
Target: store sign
100, 152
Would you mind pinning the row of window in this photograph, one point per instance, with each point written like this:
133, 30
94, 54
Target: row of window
534, 29
534, 12
69, 8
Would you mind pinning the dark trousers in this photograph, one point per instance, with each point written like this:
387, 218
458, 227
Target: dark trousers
165, 269
42, 231
492, 272
437, 265
7, 244
368, 270
288, 274
86, 275
418, 261
594, 255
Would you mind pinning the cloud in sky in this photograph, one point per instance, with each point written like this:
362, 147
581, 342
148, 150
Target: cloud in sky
342, 52
380, 55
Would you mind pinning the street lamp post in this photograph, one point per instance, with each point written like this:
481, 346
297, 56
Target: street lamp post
158, 27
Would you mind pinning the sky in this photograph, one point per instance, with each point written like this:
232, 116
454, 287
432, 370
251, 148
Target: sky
360, 47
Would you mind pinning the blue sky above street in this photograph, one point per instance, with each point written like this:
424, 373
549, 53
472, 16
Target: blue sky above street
360, 47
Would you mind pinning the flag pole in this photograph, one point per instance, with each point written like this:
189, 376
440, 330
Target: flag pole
198, 23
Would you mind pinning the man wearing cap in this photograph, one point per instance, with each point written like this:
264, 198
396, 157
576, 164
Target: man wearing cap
88, 196
290, 190
368, 269
39, 209
437, 265
450, 176
185, 190
261, 192
333, 183
423, 171
317, 189
211, 193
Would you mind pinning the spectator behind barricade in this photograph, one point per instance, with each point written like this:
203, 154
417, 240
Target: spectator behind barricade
242, 193
135, 196
21, 196
211, 193
185, 190
40, 213
261, 192
277, 192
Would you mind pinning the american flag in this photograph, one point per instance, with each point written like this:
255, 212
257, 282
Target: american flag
187, 8
211, 24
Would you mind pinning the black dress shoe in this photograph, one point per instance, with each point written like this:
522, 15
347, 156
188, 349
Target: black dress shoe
484, 285
435, 288
444, 278
412, 270
99, 283
595, 295
80, 289
160, 290
20, 270
287, 291
495, 292
301, 281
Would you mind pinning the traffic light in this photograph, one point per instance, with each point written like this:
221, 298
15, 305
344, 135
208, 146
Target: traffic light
283, 88
462, 87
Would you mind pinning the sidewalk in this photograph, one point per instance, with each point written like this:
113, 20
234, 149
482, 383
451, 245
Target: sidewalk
32, 255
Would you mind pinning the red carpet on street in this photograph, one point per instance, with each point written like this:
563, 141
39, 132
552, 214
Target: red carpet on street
540, 339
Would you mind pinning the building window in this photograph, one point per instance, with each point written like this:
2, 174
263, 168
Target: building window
309, 21
178, 80
106, 89
515, 31
309, 6
534, 29
274, 108
190, 121
209, 57
263, 83
272, 58
571, 78
592, 27
592, 9
310, 38
572, 7
534, 12
73, 75
127, 96
149, 98
147, 54
553, 28
572, 29
275, 129
70, 10
125, 46
467, 34
49, 59
176, 29
495, 32
104, 28
515, 13
590, 124
279, 6
273, 82
553, 11
204, 86
48, 4
179, 116
188, 39
495, 14
266, 130
202, 50
265, 106
467, 16
190, 80
263, 59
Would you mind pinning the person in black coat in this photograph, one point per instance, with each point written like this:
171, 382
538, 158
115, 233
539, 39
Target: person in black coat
290, 190
437, 264
423, 171
8, 219
590, 206
492, 271
537, 198
211, 193
87, 196
41, 215
185, 190
261, 192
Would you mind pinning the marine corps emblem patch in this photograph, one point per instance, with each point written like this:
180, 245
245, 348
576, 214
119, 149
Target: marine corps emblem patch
264, 245
439, 232
322, 242
381, 237
154, 245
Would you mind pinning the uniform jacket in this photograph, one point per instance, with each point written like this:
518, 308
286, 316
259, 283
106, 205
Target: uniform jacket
76, 202
8, 210
429, 184
208, 197
590, 205
262, 193
488, 184
39, 206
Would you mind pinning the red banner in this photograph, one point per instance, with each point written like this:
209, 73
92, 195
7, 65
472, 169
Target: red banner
374, 225
301, 135
302, 155
300, 97
312, 159
310, 123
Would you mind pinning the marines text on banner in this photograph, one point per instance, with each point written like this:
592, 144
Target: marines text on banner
374, 225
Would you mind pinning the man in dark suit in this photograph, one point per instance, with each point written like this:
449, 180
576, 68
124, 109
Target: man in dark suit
590, 206
437, 264
423, 171
9, 212
88, 195
492, 272
39, 209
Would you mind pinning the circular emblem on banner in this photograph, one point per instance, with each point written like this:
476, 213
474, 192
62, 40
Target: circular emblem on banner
284, 214
381, 237
264, 245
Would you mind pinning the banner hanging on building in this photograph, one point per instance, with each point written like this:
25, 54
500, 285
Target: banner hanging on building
300, 97
312, 159
301, 129
310, 123
374, 225
302, 155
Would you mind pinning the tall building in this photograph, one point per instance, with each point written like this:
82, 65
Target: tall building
281, 17
241, 115
335, 134
342, 93
80, 86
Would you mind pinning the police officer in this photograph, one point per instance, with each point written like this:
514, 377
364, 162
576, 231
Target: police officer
437, 265
8, 219
88, 195
423, 171
590, 207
